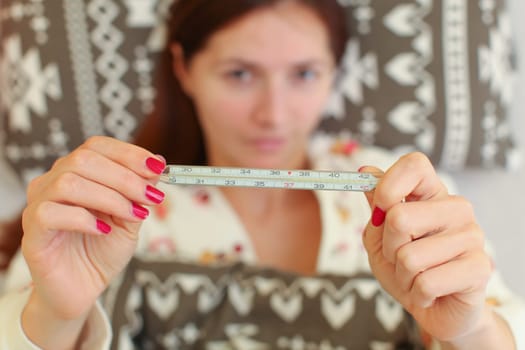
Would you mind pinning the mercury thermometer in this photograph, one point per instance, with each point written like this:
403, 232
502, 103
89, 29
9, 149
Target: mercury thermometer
269, 178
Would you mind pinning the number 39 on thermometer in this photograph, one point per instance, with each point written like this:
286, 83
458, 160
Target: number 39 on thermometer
269, 178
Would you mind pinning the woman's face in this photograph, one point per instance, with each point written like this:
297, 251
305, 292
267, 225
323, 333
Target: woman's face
260, 85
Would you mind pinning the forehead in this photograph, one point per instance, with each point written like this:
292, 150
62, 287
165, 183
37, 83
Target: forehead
285, 32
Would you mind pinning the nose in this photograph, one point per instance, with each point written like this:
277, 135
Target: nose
271, 110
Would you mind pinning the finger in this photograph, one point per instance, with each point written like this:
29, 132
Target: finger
383, 270
373, 233
412, 177
409, 221
77, 191
93, 166
378, 215
42, 222
466, 278
429, 252
378, 173
133, 157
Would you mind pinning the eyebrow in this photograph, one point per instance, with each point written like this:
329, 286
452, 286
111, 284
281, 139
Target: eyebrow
254, 65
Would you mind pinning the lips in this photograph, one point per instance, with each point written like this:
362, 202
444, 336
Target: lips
268, 144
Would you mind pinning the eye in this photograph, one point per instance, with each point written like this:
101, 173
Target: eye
306, 74
240, 75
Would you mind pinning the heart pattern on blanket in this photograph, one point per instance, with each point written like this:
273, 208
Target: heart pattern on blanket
338, 313
241, 298
163, 303
287, 307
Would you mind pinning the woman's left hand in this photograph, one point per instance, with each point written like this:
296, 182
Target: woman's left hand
427, 250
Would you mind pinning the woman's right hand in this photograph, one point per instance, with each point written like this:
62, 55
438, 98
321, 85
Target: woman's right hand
82, 220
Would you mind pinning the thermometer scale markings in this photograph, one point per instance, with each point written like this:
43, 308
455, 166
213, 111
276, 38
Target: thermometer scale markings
269, 178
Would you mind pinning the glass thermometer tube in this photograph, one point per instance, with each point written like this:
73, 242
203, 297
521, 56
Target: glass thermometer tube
269, 178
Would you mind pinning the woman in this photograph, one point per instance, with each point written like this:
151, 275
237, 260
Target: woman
255, 75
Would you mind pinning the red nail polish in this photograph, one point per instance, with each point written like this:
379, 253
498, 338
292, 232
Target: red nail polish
103, 227
155, 165
140, 212
154, 194
361, 168
378, 217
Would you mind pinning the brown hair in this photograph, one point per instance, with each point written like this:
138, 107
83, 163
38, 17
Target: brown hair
173, 129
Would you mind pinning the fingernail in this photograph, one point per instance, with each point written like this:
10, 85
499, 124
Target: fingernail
155, 165
103, 227
361, 168
140, 212
154, 194
378, 217
161, 157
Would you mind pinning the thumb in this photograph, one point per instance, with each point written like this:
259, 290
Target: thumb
378, 173
373, 234
373, 239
